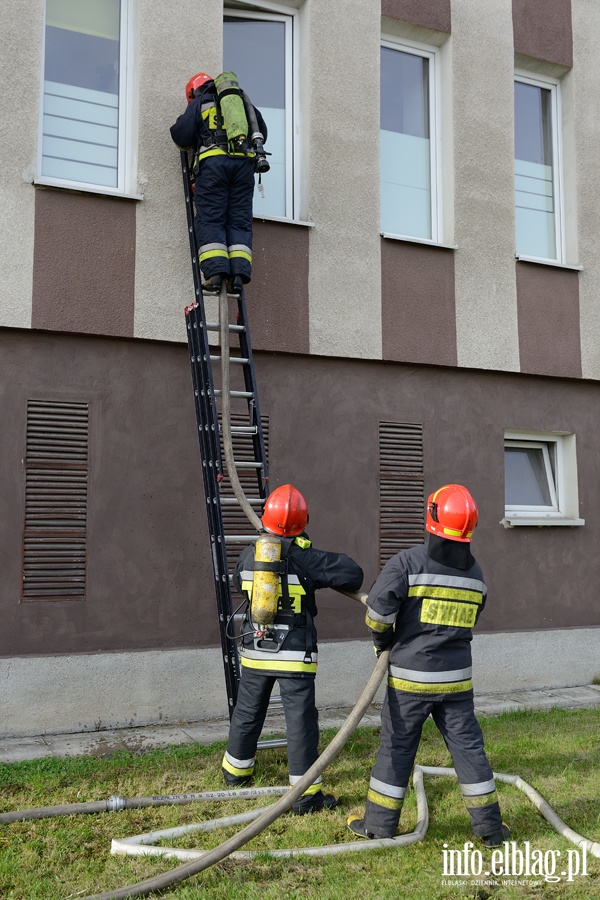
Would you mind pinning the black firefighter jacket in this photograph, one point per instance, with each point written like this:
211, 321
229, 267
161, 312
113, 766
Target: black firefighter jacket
196, 127
293, 652
431, 608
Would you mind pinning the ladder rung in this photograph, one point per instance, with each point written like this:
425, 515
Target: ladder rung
243, 429
247, 394
273, 742
248, 465
241, 538
214, 326
235, 360
233, 501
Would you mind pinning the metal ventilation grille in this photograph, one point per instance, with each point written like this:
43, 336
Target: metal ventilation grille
401, 488
56, 483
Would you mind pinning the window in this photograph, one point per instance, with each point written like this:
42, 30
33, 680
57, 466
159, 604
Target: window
540, 479
538, 206
84, 120
408, 154
259, 48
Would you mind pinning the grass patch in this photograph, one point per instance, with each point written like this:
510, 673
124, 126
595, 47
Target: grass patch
558, 752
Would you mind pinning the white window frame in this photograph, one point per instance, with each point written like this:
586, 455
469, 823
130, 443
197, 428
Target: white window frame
553, 85
435, 131
561, 480
126, 157
275, 12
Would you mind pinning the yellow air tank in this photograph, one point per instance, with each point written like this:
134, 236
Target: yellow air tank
265, 584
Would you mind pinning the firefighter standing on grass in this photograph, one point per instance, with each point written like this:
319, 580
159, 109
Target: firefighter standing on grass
226, 133
285, 651
422, 607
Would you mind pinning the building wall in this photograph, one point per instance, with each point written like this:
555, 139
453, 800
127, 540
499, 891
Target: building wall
149, 576
20, 63
353, 294
349, 329
149, 615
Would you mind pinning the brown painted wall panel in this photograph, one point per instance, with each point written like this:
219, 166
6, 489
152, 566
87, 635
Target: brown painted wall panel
434, 14
548, 312
148, 553
150, 580
418, 310
84, 263
278, 294
543, 29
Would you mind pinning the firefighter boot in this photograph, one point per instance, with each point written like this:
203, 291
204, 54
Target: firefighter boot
314, 803
497, 838
359, 827
212, 285
236, 780
236, 285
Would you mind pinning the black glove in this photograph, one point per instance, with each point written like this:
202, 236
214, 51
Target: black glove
382, 640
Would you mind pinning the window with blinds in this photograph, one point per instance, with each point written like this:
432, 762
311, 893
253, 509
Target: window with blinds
84, 128
401, 488
56, 498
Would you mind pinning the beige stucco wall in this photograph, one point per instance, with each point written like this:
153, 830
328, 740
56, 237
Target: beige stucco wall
483, 75
586, 101
86, 692
169, 53
343, 186
21, 30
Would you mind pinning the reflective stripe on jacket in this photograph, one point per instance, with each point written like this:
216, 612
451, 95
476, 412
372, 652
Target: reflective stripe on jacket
308, 569
196, 128
432, 608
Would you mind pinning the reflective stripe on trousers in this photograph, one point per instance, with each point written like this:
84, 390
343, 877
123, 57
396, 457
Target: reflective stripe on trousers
301, 721
223, 200
402, 719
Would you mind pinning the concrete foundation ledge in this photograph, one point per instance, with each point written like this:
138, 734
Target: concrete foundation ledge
102, 691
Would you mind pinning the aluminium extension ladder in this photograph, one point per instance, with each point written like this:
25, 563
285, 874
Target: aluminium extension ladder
229, 427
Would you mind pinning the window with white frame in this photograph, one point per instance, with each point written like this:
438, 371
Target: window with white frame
260, 48
408, 142
540, 479
84, 109
538, 188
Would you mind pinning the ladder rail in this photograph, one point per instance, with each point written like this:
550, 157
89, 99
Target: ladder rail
207, 399
212, 469
226, 415
251, 385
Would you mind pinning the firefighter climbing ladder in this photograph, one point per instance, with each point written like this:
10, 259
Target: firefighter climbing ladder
235, 493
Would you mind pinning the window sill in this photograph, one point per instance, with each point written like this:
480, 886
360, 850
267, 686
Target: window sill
512, 521
414, 240
283, 220
84, 189
548, 262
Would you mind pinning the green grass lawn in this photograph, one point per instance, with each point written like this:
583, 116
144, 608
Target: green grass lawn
558, 752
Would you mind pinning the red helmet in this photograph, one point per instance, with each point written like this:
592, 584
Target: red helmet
452, 513
195, 82
286, 511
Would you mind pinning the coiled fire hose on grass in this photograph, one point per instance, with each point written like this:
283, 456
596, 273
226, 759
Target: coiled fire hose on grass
181, 873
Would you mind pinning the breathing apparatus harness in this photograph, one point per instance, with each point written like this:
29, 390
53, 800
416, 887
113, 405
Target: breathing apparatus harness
267, 603
237, 132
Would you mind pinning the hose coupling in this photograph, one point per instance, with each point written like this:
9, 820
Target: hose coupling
115, 803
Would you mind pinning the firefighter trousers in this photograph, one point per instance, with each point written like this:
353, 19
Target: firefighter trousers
402, 719
301, 721
223, 223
